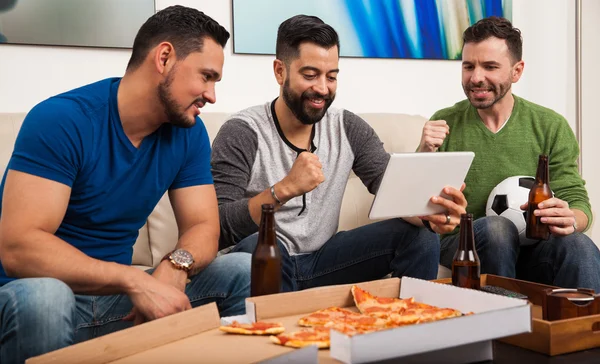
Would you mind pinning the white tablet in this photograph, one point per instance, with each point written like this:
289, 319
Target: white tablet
411, 179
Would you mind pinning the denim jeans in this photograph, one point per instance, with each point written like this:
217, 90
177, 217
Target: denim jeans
366, 253
565, 261
39, 315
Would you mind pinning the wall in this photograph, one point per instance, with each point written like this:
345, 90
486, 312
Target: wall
30, 74
590, 126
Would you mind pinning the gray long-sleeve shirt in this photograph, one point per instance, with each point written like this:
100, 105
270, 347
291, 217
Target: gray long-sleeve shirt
250, 154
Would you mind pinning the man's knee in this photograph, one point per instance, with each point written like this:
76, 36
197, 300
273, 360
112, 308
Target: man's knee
42, 300
236, 265
578, 246
429, 243
246, 245
496, 232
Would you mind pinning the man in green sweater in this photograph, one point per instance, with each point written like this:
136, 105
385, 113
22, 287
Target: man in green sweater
507, 134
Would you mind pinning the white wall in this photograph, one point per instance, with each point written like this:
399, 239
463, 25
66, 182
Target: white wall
590, 126
30, 74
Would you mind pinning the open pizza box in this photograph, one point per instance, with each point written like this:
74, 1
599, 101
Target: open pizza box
187, 337
193, 336
459, 339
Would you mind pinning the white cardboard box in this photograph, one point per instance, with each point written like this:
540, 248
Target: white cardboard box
494, 317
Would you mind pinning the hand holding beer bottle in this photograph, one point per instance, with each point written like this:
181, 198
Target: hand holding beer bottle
466, 268
265, 272
540, 192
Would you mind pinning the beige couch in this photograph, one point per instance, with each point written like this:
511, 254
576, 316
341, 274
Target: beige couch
399, 132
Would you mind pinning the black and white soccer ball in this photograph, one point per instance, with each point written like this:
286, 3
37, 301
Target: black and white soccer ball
505, 200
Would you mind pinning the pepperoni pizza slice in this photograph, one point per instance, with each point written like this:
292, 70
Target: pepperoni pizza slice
318, 335
375, 306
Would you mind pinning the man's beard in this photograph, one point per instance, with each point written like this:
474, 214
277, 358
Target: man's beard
174, 112
498, 92
295, 103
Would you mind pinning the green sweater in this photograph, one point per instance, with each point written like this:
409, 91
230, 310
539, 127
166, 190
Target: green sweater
530, 131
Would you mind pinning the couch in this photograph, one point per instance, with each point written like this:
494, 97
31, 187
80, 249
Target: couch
399, 133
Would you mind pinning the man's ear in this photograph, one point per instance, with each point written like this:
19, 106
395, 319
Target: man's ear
279, 70
517, 71
164, 57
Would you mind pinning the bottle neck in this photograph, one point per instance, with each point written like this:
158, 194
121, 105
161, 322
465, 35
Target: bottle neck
467, 238
266, 231
542, 174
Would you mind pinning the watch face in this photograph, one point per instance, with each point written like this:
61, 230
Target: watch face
182, 257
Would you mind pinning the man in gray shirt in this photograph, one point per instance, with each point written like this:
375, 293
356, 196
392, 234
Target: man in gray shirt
297, 153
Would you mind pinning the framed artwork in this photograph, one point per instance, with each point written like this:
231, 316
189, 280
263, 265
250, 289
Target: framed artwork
88, 23
421, 29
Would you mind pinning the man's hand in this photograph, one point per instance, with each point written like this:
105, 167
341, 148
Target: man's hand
153, 299
306, 174
556, 214
456, 206
434, 133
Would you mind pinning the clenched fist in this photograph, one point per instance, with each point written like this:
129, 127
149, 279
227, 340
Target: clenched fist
306, 174
434, 133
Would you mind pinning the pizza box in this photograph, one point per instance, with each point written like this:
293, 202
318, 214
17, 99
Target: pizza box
494, 317
193, 330
193, 336
547, 337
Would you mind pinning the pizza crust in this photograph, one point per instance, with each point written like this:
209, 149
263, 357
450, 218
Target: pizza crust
246, 329
293, 343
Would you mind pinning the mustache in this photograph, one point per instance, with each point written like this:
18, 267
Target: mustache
481, 85
199, 100
315, 95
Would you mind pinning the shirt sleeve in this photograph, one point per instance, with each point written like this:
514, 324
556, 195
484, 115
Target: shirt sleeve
234, 151
51, 141
565, 180
196, 168
370, 159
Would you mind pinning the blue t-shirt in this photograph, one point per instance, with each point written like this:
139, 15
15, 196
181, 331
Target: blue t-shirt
77, 139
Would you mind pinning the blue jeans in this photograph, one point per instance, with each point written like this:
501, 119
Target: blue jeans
366, 253
39, 315
565, 261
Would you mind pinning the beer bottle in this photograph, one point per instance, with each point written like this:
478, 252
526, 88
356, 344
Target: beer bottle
538, 193
265, 272
465, 265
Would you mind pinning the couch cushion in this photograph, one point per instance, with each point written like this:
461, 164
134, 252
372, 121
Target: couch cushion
400, 133
9, 128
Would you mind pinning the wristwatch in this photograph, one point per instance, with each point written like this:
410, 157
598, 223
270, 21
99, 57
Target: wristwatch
181, 259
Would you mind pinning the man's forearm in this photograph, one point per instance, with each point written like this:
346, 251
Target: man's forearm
41, 254
265, 197
202, 242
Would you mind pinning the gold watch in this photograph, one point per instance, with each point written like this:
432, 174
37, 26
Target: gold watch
181, 259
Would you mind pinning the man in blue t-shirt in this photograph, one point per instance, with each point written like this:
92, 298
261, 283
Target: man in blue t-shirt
88, 168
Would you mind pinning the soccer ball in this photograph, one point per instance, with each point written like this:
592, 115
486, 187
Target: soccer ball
505, 200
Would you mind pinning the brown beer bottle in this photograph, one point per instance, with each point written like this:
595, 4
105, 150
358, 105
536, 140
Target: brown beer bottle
265, 272
539, 192
465, 266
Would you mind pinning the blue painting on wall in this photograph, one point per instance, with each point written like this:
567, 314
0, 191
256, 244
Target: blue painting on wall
421, 29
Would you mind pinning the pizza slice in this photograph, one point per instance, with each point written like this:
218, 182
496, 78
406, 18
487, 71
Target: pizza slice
421, 312
341, 315
322, 317
318, 335
256, 328
375, 306
351, 329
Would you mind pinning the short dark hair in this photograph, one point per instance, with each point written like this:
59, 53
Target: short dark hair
185, 28
303, 28
498, 27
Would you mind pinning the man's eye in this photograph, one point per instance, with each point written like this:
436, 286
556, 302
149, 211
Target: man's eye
310, 77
